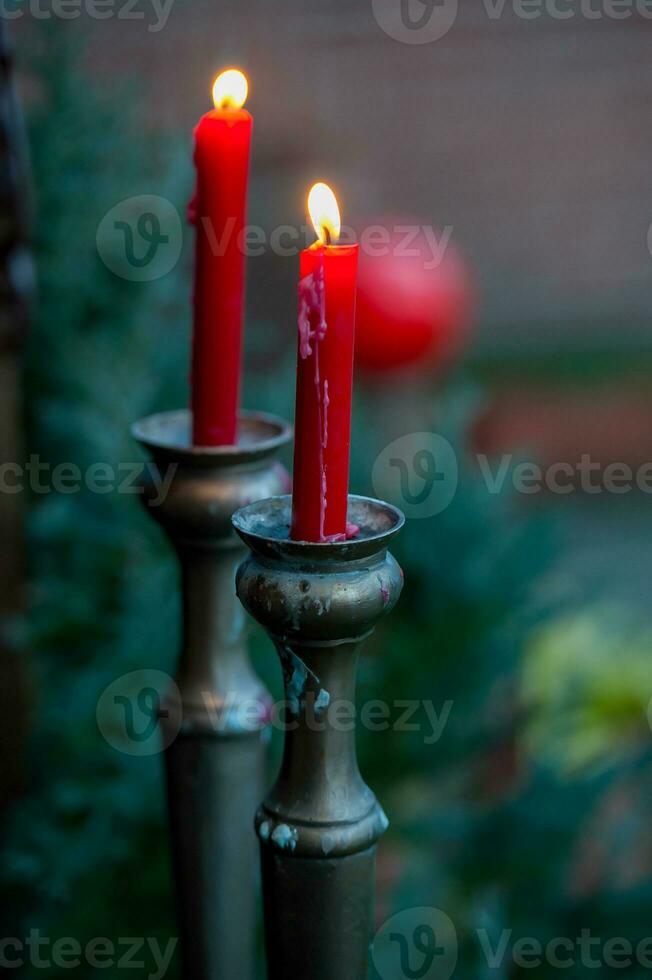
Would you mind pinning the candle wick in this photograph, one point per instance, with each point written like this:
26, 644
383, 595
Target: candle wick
327, 235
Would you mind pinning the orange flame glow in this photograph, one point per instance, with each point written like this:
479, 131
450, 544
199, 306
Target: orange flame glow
230, 89
324, 213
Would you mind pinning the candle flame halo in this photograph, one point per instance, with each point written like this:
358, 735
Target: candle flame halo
324, 213
230, 89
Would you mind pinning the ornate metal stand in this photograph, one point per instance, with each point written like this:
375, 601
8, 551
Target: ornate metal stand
320, 825
215, 764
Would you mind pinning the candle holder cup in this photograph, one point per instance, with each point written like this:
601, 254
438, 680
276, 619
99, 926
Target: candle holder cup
320, 825
215, 764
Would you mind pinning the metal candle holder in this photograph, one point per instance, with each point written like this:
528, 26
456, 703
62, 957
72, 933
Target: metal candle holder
320, 825
215, 764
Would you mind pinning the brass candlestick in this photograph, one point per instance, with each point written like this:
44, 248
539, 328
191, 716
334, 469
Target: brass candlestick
319, 826
215, 764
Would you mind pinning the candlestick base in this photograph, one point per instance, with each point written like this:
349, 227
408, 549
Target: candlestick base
215, 764
319, 826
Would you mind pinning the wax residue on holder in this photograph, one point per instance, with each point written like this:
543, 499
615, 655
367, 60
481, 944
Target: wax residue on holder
352, 530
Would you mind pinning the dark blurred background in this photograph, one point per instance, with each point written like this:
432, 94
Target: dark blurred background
526, 616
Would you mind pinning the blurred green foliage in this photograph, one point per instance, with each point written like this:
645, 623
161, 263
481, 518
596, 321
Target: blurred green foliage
527, 814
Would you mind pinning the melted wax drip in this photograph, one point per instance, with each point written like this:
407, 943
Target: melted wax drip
351, 531
312, 307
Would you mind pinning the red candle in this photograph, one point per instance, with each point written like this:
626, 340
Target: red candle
222, 145
324, 378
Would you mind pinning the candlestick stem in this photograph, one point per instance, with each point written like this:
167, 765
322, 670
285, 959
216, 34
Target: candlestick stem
215, 763
320, 825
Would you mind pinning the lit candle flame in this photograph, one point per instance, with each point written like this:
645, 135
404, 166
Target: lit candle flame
324, 213
230, 89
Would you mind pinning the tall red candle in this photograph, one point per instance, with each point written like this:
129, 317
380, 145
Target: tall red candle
327, 290
222, 148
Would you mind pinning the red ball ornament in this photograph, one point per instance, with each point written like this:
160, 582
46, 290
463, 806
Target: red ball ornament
415, 298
